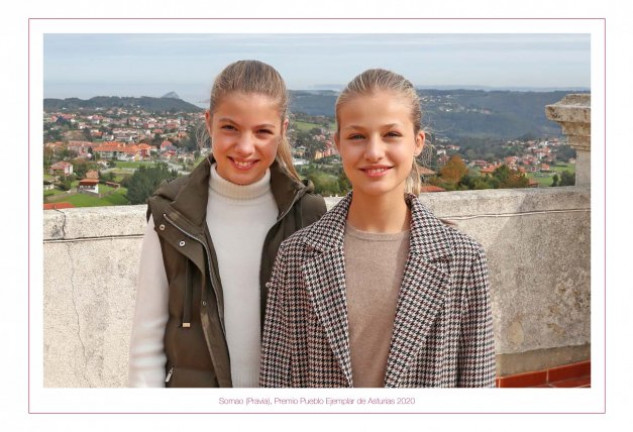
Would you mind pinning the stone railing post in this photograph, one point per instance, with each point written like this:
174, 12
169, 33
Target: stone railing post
573, 113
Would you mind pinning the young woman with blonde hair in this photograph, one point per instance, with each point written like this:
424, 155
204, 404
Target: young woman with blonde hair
379, 292
212, 238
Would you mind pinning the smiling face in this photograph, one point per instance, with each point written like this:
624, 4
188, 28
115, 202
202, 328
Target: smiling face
377, 143
245, 131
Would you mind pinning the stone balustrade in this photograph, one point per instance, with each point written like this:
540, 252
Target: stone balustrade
537, 243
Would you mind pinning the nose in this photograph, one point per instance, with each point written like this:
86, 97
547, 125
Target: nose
245, 144
374, 151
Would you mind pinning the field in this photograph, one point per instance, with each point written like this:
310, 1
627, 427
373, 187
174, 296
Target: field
54, 192
116, 197
545, 179
134, 165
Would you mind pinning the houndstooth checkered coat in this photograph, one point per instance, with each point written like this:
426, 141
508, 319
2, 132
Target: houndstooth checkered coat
442, 334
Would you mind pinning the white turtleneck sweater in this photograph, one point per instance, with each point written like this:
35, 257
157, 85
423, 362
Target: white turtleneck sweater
239, 217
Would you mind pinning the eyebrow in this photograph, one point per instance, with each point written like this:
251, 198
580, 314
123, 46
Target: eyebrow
228, 120
356, 127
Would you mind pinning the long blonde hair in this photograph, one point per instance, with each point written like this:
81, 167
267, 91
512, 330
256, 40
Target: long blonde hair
253, 76
373, 80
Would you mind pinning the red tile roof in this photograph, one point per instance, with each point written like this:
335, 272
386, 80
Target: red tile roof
88, 182
60, 165
58, 206
110, 146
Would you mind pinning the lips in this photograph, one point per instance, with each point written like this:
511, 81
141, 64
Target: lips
376, 171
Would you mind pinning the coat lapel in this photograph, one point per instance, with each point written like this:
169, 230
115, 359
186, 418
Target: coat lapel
325, 283
324, 276
422, 290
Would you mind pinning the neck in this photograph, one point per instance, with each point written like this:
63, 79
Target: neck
387, 213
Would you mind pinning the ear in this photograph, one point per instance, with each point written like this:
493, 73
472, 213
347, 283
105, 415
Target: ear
284, 127
419, 143
337, 141
208, 119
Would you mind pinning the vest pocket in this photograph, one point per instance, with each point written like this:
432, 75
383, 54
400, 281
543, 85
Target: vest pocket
189, 377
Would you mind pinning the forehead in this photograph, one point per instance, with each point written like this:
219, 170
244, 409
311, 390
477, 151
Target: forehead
247, 104
381, 106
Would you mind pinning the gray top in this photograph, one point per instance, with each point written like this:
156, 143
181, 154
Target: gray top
374, 266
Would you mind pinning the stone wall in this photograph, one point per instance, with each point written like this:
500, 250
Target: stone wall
537, 242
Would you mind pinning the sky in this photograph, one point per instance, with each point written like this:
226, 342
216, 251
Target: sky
88, 65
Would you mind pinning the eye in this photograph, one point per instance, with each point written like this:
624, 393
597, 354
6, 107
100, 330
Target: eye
393, 134
265, 131
355, 136
228, 127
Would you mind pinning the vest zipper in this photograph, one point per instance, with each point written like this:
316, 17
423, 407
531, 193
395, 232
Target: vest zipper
186, 313
169, 374
211, 273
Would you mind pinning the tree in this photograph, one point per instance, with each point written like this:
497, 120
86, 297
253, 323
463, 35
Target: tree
65, 183
145, 181
49, 155
502, 173
106, 177
344, 184
481, 183
454, 170
555, 180
565, 152
156, 141
509, 178
87, 134
66, 154
567, 179
190, 142
80, 168
51, 134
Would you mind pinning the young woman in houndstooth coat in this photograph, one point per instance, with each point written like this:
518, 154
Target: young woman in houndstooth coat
379, 292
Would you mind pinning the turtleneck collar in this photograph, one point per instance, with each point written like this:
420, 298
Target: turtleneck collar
225, 188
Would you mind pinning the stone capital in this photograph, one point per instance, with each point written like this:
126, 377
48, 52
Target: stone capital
573, 113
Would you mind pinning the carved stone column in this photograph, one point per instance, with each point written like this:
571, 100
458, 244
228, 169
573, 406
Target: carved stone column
573, 113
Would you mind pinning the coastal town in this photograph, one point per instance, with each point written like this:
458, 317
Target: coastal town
93, 157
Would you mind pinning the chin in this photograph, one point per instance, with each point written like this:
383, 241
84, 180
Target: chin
377, 192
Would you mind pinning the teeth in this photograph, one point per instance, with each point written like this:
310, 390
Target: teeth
376, 170
242, 164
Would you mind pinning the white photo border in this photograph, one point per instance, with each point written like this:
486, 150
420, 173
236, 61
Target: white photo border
53, 400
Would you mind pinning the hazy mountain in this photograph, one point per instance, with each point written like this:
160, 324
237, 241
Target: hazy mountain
494, 114
171, 95
462, 112
453, 113
150, 104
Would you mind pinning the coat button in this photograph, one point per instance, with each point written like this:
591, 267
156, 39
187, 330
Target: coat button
161, 227
204, 302
182, 243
